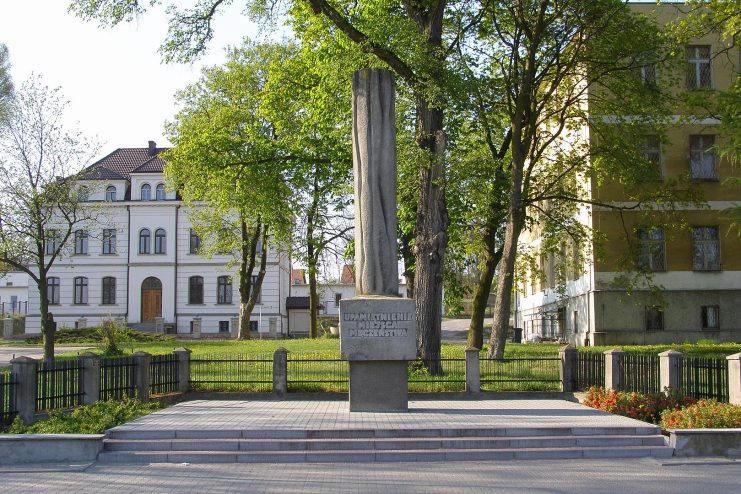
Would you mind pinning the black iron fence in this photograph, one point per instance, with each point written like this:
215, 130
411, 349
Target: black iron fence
590, 370
164, 375
451, 378
8, 409
521, 374
252, 372
705, 378
59, 384
642, 373
117, 378
308, 372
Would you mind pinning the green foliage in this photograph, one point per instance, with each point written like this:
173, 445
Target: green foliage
645, 407
6, 82
94, 334
705, 414
111, 333
89, 419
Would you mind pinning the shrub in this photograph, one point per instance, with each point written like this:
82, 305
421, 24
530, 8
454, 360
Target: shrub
89, 419
704, 414
111, 333
92, 334
645, 407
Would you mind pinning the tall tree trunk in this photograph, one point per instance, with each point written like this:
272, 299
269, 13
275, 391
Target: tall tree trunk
249, 293
47, 324
482, 291
313, 299
312, 257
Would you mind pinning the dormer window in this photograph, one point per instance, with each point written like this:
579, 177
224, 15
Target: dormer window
159, 194
110, 193
146, 192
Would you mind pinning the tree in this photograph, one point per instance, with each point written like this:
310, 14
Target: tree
41, 203
6, 82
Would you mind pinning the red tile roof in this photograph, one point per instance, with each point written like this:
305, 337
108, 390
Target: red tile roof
122, 162
348, 274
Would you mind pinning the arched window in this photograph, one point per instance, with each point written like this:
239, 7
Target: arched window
224, 290
146, 192
52, 290
159, 192
108, 296
195, 242
195, 290
145, 241
159, 241
110, 193
80, 296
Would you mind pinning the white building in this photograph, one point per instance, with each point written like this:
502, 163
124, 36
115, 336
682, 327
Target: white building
14, 292
139, 261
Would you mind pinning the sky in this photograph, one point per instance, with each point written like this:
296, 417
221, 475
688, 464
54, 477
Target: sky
119, 89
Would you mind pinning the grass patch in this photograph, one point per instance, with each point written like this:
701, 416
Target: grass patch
89, 419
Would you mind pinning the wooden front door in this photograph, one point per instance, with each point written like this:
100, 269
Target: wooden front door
151, 299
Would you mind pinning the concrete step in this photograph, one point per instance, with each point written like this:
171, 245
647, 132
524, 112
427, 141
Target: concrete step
343, 456
377, 444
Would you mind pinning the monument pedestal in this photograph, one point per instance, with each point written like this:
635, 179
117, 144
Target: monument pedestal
378, 337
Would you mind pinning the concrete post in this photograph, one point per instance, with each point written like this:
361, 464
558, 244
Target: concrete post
142, 360
159, 325
183, 355
8, 327
670, 366
25, 371
82, 323
734, 379
273, 327
568, 355
473, 370
280, 371
90, 377
614, 369
196, 327
234, 326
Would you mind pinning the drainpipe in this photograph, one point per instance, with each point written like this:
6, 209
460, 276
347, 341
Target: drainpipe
177, 209
128, 260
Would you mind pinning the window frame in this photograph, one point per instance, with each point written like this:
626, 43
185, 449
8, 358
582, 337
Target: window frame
648, 248
110, 193
81, 242
80, 290
704, 317
108, 290
145, 246
52, 241
159, 192
653, 153
259, 296
701, 149
109, 241
53, 288
224, 290
194, 238
149, 192
705, 244
160, 241
659, 313
195, 290
224, 327
694, 77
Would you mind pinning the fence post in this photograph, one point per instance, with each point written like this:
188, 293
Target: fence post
90, 377
473, 370
670, 364
8, 327
142, 359
568, 356
183, 355
280, 371
614, 369
734, 379
25, 370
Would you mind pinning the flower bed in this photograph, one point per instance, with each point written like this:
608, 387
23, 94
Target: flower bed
640, 406
705, 414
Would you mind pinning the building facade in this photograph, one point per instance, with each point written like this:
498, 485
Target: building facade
140, 261
695, 266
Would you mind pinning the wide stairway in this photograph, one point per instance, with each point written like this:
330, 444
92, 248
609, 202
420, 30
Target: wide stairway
381, 445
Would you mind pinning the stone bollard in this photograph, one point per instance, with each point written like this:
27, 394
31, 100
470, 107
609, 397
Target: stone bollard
8, 328
25, 370
473, 370
614, 369
183, 355
568, 355
234, 326
82, 323
159, 325
90, 377
196, 327
142, 359
734, 378
670, 366
280, 372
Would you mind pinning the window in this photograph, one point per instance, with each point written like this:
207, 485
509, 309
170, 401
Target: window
651, 250
648, 74
253, 326
223, 326
652, 151
224, 290
159, 192
702, 158
81, 238
710, 316
108, 297
109, 241
146, 192
337, 298
576, 321
654, 319
254, 287
698, 67
195, 290
705, 248
145, 239
52, 242
52, 290
80, 295
110, 193
195, 242
159, 241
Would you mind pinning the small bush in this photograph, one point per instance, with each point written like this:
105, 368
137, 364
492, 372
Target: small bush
92, 334
704, 414
90, 419
645, 407
111, 333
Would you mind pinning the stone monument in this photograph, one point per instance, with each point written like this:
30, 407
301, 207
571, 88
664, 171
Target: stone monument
377, 327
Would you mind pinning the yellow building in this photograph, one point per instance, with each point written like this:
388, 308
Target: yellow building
696, 265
